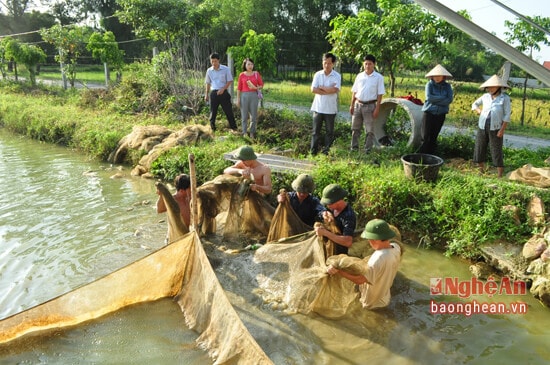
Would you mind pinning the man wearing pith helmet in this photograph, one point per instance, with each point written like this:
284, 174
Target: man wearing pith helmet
249, 167
306, 206
381, 268
341, 213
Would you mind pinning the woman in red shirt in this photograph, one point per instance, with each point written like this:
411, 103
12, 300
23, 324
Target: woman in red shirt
248, 96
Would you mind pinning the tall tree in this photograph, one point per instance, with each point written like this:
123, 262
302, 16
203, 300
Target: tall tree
163, 20
70, 41
394, 35
260, 47
528, 39
28, 55
16, 8
105, 48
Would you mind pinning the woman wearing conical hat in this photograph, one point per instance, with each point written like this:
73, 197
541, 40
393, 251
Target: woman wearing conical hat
439, 95
494, 109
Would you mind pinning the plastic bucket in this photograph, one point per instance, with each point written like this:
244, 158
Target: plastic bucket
421, 166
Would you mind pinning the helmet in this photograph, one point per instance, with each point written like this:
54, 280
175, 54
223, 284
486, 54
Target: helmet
246, 153
303, 184
378, 229
333, 193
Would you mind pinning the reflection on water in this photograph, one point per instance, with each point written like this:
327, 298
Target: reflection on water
64, 221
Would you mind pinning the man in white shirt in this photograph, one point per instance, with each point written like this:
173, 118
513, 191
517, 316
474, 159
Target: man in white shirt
377, 278
218, 79
366, 96
326, 85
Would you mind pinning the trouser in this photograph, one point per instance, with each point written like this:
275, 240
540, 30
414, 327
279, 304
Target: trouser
225, 101
486, 137
431, 127
318, 119
249, 105
362, 117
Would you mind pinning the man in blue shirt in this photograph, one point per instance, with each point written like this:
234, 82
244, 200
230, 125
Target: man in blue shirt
343, 216
306, 206
218, 79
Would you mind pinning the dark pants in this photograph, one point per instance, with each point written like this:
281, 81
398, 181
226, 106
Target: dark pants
318, 119
225, 101
487, 137
431, 126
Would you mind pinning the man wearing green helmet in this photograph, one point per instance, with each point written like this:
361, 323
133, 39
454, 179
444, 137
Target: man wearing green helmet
342, 214
380, 270
306, 206
249, 167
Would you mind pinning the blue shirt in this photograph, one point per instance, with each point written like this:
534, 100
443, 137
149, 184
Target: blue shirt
310, 210
438, 97
346, 222
218, 78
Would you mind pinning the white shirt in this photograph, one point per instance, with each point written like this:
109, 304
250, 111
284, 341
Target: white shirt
326, 104
368, 87
381, 270
499, 108
218, 78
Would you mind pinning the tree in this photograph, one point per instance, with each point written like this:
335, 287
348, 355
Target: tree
28, 55
105, 48
70, 42
528, 38
16, 8
162, 20
3, 59
260, 47
395, 35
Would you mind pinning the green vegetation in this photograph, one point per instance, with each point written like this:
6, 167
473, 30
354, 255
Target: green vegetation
459, 212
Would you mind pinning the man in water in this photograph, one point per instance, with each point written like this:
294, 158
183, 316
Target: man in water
381, 268
343, 216
182, 196
306, 206
249, 167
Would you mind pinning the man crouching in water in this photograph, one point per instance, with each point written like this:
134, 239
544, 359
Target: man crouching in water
249, 167
182, 196
381, 268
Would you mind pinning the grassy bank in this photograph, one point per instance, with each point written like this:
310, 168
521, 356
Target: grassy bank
459, 212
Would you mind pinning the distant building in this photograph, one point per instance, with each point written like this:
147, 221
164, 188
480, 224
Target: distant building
546, 65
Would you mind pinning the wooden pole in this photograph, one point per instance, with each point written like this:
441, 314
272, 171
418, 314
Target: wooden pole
194, 208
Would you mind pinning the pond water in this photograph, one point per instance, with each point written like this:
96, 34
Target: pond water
65, 221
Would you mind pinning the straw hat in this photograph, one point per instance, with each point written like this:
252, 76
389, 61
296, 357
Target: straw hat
494, 81
439, 71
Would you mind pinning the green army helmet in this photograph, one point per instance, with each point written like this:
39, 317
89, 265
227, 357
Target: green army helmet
303, 184
378, 229
245, 153
333, 193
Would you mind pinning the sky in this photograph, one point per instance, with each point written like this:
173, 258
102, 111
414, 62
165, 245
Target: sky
491, 17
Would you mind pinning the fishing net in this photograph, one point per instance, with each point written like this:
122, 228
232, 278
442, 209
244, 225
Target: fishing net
285, 223
293, 270
229, 208
181, 270
530, 175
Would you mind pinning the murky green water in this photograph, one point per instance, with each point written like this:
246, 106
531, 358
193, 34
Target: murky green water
65, 221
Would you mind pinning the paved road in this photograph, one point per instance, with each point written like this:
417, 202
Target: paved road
510, 140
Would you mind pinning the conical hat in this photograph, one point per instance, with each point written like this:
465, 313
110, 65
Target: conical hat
439, 71
494, 81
